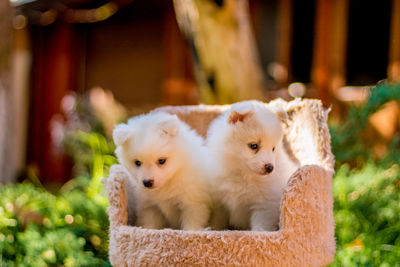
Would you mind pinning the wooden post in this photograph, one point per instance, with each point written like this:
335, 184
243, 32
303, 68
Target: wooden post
54, 77
320, 73
226, 60
329, 62
394, 45
6, 135
339, 44
338, 54
284, 47
21, 68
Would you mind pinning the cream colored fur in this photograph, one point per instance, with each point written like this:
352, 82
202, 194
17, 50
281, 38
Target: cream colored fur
306, 228
178, 197
241, 182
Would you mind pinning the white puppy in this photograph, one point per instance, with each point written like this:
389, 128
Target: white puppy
164, 158
250, 168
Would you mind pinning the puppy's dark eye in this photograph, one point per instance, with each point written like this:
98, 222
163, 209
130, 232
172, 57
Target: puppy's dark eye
161, 161
138, 163
273, 149
253, 146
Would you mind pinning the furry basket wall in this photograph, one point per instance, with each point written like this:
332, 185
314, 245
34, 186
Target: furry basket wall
306, 234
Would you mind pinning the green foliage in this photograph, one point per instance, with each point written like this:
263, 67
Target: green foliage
69, 228
367, 216
349, 142
38, 228
367, 199
93, 155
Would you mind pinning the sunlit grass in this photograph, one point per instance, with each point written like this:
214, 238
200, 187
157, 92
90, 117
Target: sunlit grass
367, 216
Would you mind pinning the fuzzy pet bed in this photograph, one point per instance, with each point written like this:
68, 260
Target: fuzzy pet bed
306, 234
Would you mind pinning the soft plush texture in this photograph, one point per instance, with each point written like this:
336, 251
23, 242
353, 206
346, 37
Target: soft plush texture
306, 234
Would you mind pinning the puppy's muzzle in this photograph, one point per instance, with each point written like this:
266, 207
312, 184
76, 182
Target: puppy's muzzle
269, 168
148, 183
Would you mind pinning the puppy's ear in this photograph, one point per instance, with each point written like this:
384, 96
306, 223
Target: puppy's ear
170, 127
281, 114
235, 116
121, 133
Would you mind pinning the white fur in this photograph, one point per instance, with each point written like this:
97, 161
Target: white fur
179, 197
251, 196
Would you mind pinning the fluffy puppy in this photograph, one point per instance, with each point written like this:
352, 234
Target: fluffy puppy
250, 168
164, 158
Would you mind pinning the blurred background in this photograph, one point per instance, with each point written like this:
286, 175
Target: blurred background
71, 69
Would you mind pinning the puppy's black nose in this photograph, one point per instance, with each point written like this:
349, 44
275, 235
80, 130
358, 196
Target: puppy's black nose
148, 183
269, 168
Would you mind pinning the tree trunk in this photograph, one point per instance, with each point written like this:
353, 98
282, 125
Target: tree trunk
6, 15
224, 50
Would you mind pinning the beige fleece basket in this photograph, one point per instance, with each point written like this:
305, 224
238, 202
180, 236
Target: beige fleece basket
306, 234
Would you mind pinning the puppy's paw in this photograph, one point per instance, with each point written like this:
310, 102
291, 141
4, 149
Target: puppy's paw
264, 228
195, 217
151, 218
264, 220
